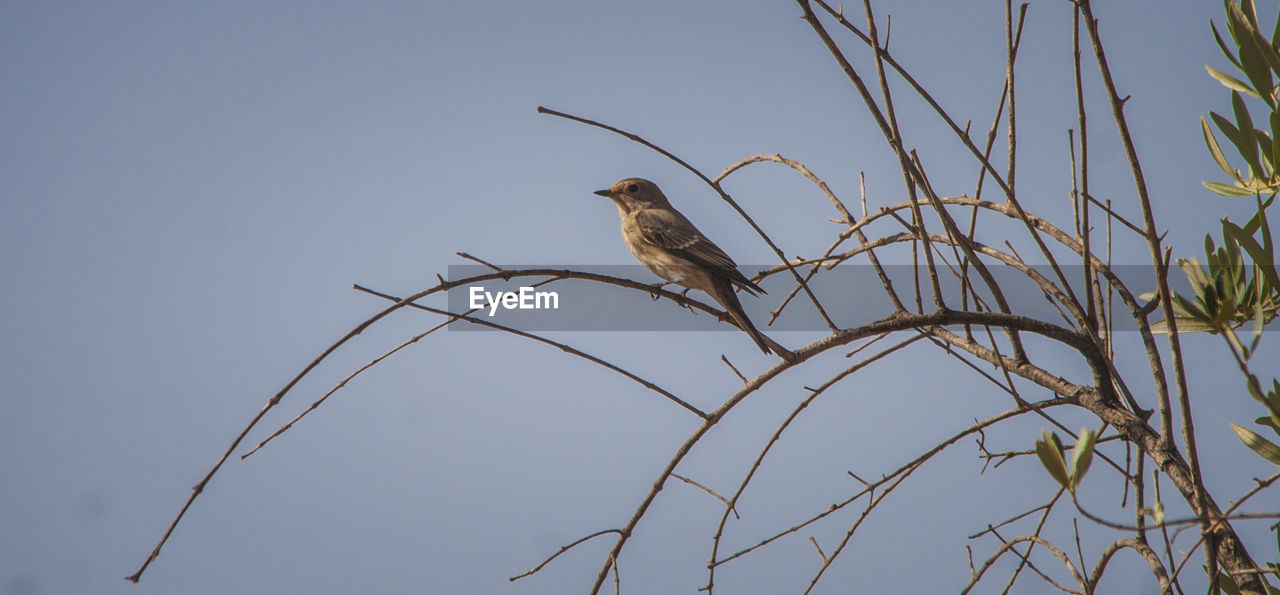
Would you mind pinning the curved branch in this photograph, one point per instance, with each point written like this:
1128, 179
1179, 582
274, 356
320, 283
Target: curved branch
732, 502
893, 323
1142, 549
360, 328
563, 347
342, 383
563, 549
1138, 312
1043, 542
848, 217
1261, 485
906, 469
719, 190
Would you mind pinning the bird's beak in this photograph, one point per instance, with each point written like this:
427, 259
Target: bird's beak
605, 193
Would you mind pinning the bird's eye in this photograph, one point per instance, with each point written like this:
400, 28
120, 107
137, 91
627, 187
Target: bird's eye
633, 188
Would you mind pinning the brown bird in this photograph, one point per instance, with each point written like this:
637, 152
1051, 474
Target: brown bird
668, 244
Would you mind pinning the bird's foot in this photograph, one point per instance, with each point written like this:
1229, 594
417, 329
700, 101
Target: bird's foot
657, 287
687, 306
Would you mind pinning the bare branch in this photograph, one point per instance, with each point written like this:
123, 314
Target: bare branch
1049, 546
1144, 550
563, 549
723, 195
707, 490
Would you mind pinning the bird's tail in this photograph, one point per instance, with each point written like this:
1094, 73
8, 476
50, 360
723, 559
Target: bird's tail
724, 294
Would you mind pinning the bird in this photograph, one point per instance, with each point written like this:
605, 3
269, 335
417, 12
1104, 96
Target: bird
667, 243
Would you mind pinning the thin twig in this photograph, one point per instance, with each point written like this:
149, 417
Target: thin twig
777, 434
563, 549
735, 370
707, 490
562, 346
719, 190
1015, 541
1235, 551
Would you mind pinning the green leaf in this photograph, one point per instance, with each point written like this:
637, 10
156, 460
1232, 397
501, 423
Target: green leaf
1228, 584
1264, 49
1155, 512
1228, 190
1264, 256
1275, 139
1275, 34
1082, 455
1049, 450
1248, 142
1265, 448
1261, 216
1229, 81
1228, 129
1236, 22
1194, 271
1270, 423
1272, 402
1262, 259
1259, 322
1244, 240
1253, 392
1250, 14
1265, 144
1222, 45
1252, 61
1266, 230
1216, 151
1185, 325
1185, 309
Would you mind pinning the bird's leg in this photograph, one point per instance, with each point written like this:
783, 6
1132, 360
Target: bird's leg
657, 287
685, 294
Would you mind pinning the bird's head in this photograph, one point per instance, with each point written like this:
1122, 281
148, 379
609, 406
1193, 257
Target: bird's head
635, 193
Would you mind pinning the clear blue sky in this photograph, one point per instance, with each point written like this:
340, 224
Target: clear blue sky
188, 191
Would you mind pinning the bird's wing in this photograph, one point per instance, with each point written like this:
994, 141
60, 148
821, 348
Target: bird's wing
672, 232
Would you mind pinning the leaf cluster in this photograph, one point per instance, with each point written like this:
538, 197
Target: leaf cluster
1049, 449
